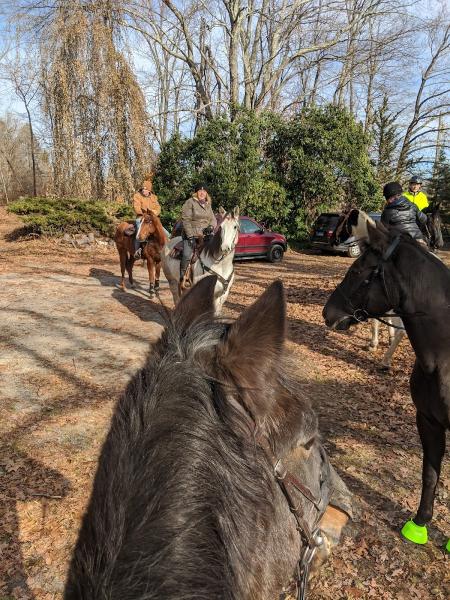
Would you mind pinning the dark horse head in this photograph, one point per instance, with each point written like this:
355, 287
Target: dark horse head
185, 502
370, 288
434, 223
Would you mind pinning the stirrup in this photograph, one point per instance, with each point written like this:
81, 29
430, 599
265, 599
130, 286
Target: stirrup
138, 253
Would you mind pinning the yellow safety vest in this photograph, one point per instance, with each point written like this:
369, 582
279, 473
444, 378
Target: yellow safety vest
420, 199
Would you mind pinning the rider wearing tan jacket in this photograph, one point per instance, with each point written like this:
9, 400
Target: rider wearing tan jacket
144, 200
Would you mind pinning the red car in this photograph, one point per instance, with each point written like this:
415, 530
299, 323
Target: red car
255, 241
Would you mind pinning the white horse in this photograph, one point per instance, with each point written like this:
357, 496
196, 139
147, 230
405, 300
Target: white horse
216, 258
395, 337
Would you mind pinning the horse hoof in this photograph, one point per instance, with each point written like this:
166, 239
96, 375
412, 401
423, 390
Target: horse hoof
156, 286
415, 533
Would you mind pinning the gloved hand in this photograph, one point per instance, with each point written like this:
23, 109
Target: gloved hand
208, 231
191, 242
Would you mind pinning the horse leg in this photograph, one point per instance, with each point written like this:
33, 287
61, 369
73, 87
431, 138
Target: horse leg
123, 262
151, 276
174, 288
432, 436
130, 263
157, 274
386, 361
374, 330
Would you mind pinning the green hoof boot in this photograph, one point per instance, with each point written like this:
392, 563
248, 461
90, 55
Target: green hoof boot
447, 547
415, 533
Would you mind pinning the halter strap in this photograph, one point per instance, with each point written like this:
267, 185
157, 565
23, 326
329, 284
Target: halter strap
223, 281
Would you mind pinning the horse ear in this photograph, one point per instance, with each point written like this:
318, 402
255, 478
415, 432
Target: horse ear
253, 345
236, 212
222, 211
196, 303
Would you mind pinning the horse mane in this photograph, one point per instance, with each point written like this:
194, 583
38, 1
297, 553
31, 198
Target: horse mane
425, 274
212, 247
159, 234
185, 534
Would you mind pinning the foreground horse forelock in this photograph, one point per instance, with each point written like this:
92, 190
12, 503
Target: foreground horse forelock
396, 273
185, 502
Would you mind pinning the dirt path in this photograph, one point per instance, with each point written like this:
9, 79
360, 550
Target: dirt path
70, 339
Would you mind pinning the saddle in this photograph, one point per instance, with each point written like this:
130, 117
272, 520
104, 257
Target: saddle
130, 230
177, 250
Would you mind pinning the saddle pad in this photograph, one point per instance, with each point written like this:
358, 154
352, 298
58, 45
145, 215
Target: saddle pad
177, 251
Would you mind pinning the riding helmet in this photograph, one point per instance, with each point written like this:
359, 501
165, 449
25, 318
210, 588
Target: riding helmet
415, 179
392, 189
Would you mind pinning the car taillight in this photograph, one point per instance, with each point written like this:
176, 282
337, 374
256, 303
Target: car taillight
329, 233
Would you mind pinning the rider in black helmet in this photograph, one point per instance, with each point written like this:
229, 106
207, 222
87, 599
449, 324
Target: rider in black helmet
414, 193
401, 214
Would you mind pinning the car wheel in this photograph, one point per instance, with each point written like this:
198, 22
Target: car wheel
275, 253
354, 251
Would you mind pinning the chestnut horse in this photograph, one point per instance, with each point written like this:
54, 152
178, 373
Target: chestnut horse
150, 230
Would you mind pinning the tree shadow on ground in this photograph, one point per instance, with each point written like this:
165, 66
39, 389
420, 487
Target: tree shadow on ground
22, 479
136, 301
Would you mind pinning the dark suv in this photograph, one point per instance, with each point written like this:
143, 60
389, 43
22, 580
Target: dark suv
322, 232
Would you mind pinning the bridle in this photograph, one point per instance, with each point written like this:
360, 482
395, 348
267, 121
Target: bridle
362, 314
310, 537
224, 281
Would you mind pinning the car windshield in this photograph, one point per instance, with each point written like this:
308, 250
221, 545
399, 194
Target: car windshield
248, 226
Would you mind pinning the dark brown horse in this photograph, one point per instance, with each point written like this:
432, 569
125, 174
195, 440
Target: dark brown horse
152, 233
396, 273
434, 225
212, 481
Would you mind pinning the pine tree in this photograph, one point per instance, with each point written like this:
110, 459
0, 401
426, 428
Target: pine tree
439, 189
386, 141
